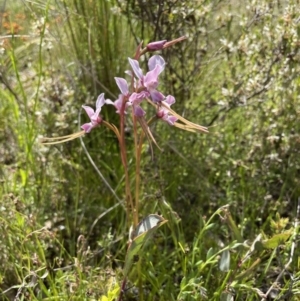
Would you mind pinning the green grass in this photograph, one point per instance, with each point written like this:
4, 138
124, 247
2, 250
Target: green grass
230, 194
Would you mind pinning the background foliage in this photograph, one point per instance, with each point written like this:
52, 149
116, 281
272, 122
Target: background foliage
237, 72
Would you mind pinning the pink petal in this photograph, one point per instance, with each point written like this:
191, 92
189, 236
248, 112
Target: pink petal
151, 78
137, 98
170, 100
122, 84
87, 127
90, 111
138, 111
156, 60
156, 96
100, 102
136, 68
171, 120
118, 103
109, 102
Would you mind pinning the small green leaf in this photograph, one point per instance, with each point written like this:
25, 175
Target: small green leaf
210, 253
225, 261
183, 283
276, 240
44, 275
234, 228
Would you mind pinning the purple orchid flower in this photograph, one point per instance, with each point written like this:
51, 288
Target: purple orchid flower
94, 115
123, 86
135, 100
117, 103
164, 113
150, 81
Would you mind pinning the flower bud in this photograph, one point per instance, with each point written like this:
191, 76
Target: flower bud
158, 45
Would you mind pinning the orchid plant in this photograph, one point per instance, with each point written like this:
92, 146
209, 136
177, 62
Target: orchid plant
140, 89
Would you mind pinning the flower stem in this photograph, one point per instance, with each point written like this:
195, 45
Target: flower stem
129, 201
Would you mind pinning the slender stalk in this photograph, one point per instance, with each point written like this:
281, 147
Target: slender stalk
138, 156
138, 150
129, 201
122, 289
